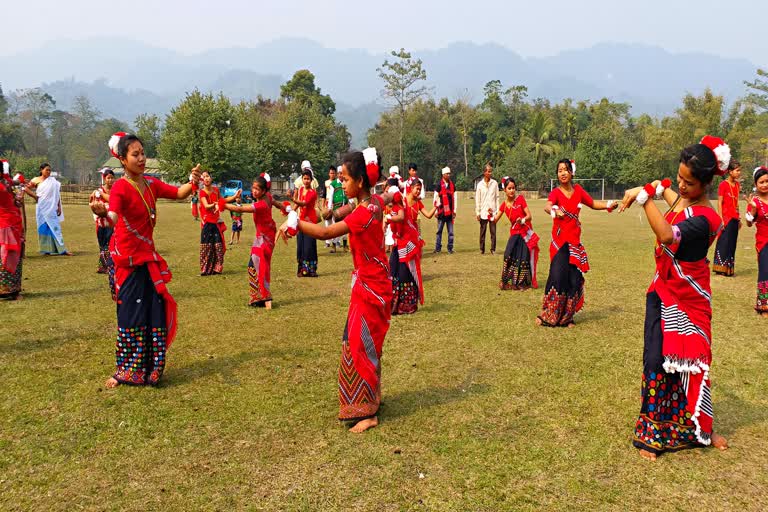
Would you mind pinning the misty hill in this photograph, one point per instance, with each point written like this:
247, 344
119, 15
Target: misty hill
152, 79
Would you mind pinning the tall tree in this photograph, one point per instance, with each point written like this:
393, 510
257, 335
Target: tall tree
401, 77
36, 107
467, 120
148, 130
301, 88
758, 88
539, 131
10, 131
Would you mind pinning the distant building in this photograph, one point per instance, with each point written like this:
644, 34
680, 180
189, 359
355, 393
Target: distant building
151, 169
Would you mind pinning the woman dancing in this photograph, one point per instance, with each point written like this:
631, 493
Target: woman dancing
305, 198
757, 215
11, 235
369, 306
260, 263
146, 311
103, 228
564, 294
405, 261
212, 247
676, 409
728, 208
521, 256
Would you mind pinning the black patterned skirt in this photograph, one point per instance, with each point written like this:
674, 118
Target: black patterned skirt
306, 255
517, 273
405, 287
564, 295
211, 250
725, 250
761, 305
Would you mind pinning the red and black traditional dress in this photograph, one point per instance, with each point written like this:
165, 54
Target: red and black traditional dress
212, 247
405, 262
104, 232
260, 264
521, 256
306, 246
368, 317
11, 240
760, 212
564, 295
146, 311
725, 250
676, 410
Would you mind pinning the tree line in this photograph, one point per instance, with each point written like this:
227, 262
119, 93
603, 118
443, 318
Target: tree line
523, 137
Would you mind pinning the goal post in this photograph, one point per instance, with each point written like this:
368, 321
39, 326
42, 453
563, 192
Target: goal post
594, 186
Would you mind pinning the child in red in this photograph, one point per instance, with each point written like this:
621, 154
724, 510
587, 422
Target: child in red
728, 208
757, 215
369, 304
522, 253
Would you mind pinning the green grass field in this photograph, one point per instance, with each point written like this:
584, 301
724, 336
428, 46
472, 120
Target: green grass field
482, 410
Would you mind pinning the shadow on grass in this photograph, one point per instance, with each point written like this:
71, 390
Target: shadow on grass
55, 294
734, 413
27, 346
406, 403
223, 366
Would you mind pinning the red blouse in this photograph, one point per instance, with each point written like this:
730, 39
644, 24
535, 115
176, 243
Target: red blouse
262, 217
568, 228
10, 216
514, 212
308, 212
760, 211
136, 218
213, 198
730, 195
370, 279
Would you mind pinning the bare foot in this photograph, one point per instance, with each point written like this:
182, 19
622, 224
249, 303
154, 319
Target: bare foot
268, 304
538, 321
111, 383
764, 314
571, 325
363, 425
719, 442
647, 455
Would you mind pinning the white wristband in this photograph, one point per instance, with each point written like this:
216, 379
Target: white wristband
660, 191
288, 209
293, 220
749, 217
553, 211
642, 197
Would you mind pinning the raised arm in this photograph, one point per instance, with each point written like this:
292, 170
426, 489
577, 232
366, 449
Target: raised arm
320, 231
429, 214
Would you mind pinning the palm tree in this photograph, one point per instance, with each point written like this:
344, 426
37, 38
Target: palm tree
539, 130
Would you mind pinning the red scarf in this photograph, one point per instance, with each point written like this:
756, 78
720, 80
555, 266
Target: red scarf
446, 197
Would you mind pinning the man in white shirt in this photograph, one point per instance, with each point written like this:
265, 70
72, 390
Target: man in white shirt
486, 206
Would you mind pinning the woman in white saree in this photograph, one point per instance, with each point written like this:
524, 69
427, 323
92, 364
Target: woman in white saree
47, 193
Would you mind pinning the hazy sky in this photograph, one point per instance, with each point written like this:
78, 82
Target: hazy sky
531, 28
